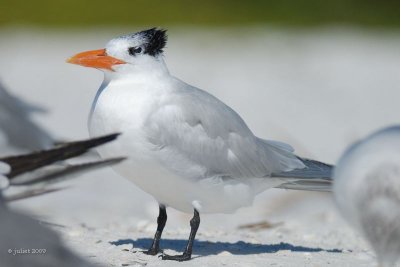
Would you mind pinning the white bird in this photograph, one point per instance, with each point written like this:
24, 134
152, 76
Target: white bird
185, 147
367, 191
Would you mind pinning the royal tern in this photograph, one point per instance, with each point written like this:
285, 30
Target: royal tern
184, 146
367, 191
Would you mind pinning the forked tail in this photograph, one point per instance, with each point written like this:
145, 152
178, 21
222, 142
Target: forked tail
316, 176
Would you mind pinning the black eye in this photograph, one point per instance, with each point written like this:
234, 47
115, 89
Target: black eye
134, 50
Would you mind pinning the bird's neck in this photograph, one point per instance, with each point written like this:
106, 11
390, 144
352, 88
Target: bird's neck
153, 72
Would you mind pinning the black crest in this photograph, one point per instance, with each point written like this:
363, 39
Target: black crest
156, 39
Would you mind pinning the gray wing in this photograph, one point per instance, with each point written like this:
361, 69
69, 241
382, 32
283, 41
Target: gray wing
198, 136
18, 127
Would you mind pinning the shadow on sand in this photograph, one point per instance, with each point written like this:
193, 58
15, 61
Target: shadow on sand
204, 248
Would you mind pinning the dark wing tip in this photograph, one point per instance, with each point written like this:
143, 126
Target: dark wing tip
24, 163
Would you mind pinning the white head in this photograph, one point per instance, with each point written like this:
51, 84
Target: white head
128, 54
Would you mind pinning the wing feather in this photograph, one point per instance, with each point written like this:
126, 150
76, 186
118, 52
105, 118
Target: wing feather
198, 136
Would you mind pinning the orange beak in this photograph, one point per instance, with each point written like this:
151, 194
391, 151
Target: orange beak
95, 59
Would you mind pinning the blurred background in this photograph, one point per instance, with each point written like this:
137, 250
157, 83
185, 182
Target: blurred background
316, 74
207, 13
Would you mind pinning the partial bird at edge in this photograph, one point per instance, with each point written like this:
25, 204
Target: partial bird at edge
16, 124
38, 168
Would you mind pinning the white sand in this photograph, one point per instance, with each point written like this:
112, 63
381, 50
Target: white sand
318, 91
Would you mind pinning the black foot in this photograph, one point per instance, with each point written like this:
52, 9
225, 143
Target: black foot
161, 220
183, 257
151, 252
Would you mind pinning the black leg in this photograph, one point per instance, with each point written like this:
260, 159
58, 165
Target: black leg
161, 220
194, 225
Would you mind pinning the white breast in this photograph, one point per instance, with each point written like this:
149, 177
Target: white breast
123, 106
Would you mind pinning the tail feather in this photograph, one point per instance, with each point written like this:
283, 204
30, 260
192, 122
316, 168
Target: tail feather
316, 176
313, 185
